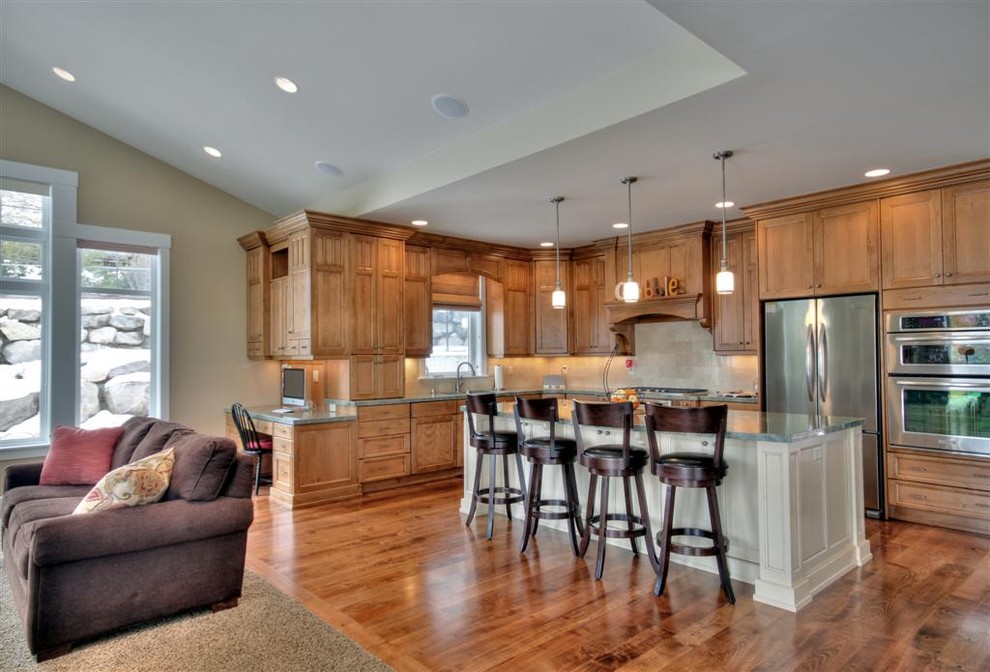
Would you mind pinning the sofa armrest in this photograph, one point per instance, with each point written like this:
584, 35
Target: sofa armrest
26, 473
92, 535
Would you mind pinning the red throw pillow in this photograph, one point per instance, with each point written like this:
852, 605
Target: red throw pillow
79, 456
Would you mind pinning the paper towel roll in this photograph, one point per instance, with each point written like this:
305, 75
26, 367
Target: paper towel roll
499, 378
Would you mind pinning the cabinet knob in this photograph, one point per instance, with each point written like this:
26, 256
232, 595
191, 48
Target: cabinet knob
938, 275
819, 286
948, 275
810, 286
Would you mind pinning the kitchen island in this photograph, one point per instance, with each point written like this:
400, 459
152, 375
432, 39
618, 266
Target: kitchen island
791, 504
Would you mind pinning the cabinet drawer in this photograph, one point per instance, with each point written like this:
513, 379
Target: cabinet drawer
383, 412
396, 444
263, 426
280, 445
426, 408
383, 427
255, 350
977, 294
283, 430
961, 473
940, 499
379, 468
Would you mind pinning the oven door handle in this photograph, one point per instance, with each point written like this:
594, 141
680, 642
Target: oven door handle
822, 362
809, 362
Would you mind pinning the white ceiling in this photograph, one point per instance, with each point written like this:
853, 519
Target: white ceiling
565, 98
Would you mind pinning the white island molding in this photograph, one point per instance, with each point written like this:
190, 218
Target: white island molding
791, 504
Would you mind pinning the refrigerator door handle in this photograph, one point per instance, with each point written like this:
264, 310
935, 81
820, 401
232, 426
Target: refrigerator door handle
809, 362
822, 362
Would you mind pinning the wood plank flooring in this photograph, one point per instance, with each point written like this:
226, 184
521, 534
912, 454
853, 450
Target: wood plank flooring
400, 574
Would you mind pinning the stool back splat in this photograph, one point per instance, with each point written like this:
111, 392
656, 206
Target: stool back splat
691, 470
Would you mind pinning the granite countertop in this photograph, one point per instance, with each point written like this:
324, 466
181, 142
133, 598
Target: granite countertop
301, 417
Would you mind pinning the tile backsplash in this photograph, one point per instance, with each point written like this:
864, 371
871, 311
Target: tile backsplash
668, 354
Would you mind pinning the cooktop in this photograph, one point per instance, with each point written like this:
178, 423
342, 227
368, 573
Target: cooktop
670, 390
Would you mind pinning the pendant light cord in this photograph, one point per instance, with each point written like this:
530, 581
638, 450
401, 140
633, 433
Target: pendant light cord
629, 182
725, 259
556, 204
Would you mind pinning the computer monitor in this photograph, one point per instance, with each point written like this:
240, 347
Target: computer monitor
293, 386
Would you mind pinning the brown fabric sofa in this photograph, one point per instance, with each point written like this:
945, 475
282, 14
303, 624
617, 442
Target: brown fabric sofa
77, 576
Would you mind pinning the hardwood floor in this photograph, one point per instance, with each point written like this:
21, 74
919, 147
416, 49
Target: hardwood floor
400, 574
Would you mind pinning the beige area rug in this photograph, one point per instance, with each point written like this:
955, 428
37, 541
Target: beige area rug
266, 631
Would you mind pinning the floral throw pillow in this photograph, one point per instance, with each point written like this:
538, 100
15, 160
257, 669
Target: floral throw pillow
136, 484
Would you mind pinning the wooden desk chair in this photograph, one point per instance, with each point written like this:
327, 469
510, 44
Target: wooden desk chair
690, 470
254, 444
612, 460
548, 451
492, 442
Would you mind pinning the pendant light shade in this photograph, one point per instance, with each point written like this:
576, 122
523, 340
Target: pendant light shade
725, 282
630, 288
558, 299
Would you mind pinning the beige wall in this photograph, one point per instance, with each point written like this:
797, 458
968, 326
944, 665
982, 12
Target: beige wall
120, 186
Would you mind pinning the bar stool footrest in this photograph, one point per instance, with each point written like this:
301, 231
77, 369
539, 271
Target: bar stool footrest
538, 511
503, 495
638, 530
687, 549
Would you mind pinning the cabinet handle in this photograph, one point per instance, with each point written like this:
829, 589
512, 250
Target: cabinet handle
948, 275
938, 275
920, 498
916, 468
819, 286
810, 286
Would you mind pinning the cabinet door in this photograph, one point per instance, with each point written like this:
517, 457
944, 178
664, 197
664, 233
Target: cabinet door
750, 293
363, 376
258, 303
331, 321
847, 249
299, 287
786, 247
433, 443
364, 319
966, 233
590, 330
418, 313
730, 315
391, 376
551, 323
279, 316
911, 239
390, 280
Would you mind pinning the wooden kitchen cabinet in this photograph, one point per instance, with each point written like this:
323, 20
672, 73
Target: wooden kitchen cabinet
383, 442
434, 436
418, 302
939, 489
313, 463
258, 265
590, 334
377, 284
510, 311
377, 376
834, 250
551, 323
936, 237
737, 315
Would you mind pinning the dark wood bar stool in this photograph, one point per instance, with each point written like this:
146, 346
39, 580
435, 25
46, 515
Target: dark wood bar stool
690, 470
253, 443
612, 460
492, 443
544, 451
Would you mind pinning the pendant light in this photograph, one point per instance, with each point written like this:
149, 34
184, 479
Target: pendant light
630, 288
725, 282
558, 299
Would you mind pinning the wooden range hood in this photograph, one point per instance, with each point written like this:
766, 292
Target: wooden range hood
622, 317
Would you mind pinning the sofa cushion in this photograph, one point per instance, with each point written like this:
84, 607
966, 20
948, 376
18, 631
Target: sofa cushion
159, 435
135, 429
27, 493
25, 517
201, 466
135, 484
79, 456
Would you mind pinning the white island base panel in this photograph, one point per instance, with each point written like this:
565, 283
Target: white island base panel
791, 505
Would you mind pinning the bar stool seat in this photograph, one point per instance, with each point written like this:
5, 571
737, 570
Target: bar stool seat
690, 470
544, 451
607, 461
493, 443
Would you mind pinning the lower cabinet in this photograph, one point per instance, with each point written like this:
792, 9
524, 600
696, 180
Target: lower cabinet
383, 442
435, 439
939, 489
313, 463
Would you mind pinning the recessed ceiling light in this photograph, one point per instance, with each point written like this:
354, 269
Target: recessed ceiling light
546, 244
877, 172
212, 151
726, 204
620, 225
449, 106
328, 168
286, 84
64, 74
419, 222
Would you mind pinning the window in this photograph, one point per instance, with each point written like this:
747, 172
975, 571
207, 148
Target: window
458, 336
72, 299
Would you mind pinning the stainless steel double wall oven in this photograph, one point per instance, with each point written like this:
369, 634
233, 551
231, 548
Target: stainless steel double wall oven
938, 380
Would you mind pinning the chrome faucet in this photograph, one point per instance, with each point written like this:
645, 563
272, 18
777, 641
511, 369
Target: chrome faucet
460, 381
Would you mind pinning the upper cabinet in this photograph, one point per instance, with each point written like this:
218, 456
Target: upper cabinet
551, 323
259, 275
418, 313
832, 250
590, 289
737, 315
937, 236
510, 310
377, 308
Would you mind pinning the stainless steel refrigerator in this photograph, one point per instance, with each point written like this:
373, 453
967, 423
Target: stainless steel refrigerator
820, 357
